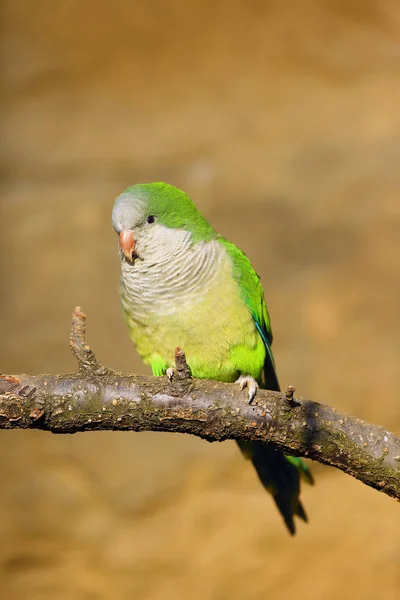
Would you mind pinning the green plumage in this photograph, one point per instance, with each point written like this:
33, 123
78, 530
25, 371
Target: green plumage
190, 287
160, 198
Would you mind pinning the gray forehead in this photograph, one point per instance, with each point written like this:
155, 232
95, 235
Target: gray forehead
128, 210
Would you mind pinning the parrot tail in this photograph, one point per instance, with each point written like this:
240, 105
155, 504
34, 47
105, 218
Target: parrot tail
280, 475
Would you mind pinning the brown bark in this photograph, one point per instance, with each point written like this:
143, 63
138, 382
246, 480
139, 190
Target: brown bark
97, 398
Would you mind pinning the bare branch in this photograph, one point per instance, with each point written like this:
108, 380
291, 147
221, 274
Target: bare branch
97, 398
87, 362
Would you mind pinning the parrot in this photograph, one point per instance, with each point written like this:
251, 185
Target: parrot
184, 285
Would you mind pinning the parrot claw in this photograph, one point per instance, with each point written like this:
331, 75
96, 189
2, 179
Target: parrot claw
170, 372
250, 383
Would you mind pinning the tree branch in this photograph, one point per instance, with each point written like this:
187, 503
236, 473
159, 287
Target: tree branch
97, 398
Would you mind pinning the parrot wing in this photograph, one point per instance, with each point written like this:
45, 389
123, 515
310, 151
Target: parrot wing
279, 473
253, 294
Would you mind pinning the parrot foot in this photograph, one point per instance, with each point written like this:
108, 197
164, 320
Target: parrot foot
170, 372
250, 383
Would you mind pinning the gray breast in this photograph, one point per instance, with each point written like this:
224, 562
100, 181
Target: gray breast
166, 281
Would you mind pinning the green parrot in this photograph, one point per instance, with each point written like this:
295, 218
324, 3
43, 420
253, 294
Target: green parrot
182, 284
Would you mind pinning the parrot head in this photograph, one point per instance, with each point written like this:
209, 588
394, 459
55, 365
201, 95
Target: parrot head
154, 219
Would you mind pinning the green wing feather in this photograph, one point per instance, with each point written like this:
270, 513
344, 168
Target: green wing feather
253, 294
279, 473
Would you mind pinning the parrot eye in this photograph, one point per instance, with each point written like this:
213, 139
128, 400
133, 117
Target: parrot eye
151, 219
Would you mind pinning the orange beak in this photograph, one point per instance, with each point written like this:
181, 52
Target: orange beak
127, 244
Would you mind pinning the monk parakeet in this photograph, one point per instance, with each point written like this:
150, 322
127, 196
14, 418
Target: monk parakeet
184, 285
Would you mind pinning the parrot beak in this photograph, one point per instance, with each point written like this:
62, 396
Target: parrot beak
127, 244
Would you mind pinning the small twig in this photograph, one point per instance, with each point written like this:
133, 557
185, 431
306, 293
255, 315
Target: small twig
180, 377
181, 367
289, 393
291, 401
87, 362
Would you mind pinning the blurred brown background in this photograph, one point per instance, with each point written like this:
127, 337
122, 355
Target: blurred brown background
282, 120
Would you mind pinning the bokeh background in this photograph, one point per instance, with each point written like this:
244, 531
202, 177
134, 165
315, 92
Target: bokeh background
282, 120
